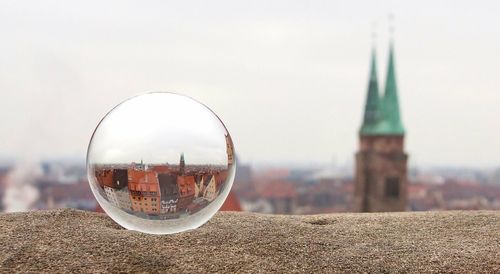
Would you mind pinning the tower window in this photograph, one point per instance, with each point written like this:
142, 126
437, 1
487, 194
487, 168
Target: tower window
392, 187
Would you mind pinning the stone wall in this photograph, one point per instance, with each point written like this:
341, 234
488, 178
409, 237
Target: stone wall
71, 241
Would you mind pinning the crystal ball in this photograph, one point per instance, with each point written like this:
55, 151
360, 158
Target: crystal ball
160, 163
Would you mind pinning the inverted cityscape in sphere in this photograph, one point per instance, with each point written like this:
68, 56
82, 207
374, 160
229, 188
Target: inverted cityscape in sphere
184, 168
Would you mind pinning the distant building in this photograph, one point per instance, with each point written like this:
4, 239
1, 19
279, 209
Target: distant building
221, 178
182, 165
119, 197
169, 193
231, 203
244, 173
160, 168
198, 185
120, 178
381, 163
243, 184
186, 185
144, 191
118, 193
210, 188
281, 195
229, 150
104, 177
76, 195
140, 166
114, 186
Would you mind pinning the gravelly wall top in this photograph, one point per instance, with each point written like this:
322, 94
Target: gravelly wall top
77, 241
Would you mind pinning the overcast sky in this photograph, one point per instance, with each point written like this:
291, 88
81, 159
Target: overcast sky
288, 78
157, 128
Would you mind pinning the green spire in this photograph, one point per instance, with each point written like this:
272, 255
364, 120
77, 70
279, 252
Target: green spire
371, 116
382, 114
391, 124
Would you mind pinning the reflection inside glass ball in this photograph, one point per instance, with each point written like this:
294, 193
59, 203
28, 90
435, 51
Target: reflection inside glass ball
160, 163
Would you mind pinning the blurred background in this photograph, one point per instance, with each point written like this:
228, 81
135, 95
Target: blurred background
288, 78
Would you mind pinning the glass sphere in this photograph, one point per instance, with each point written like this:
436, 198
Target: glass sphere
160, 163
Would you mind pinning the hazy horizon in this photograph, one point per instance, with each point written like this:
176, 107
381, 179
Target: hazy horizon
288, 79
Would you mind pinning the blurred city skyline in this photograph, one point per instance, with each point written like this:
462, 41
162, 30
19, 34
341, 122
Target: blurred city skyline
288, 79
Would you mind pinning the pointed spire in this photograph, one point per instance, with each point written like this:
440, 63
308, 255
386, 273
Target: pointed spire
371, 115
390, 104
182, 164
382, 115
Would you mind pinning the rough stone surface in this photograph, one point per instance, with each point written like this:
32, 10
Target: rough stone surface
76, 241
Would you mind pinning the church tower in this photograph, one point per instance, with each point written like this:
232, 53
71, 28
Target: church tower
381, 162
182, 165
